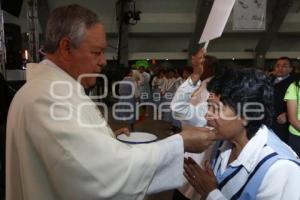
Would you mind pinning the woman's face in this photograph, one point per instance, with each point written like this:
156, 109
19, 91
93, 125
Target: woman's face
227, 123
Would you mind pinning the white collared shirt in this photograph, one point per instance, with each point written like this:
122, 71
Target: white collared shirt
281, 78
183, 108
280, 181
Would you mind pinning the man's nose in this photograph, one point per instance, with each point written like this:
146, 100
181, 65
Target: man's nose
102, 61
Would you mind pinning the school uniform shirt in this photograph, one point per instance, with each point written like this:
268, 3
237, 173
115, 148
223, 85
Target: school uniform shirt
60, 147
281, 180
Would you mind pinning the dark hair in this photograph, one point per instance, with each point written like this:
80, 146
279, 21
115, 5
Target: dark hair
68, 21
238, 87
297, 80
211, 67
126, 71
285, 58
211, 61
188, 69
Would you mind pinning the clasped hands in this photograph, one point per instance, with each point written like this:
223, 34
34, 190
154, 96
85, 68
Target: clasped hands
203, 180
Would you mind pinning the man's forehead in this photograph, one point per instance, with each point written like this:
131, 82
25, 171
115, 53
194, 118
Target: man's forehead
97, 41
283, 61
101, 45
96, 31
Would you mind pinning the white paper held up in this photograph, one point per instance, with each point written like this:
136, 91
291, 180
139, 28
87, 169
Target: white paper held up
217, 19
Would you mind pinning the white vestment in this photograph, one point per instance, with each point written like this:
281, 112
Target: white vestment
60, 147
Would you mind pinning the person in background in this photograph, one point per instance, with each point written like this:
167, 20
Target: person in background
282, 80
269, 71
211, 68
157, 85
250, 161
178, 77
292, 98
297, 68
138, 79
176, 124
127, 99
189, 102
154, 72
168, 93
187, 71
145, 92
190, 105
136, 75
167, 96
58, 144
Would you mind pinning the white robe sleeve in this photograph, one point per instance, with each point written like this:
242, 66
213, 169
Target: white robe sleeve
170, 168
83, 160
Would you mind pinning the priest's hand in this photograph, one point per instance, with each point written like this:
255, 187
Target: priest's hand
197, 139
123, 130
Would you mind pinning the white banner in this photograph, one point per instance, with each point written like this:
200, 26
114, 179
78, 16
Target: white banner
249, 15
217, 20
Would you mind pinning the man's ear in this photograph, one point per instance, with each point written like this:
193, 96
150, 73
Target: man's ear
65, 48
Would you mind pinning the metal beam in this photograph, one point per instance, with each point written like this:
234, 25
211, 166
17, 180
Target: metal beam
280, 10
2, 44
43, 12
203, 10
32, 17
123, 7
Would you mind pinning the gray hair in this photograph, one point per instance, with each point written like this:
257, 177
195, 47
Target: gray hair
70, 21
